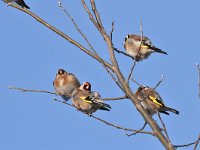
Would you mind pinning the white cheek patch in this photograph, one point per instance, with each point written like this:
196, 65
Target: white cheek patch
61, 82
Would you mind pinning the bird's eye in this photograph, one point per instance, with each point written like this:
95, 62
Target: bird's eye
61, 71
127, 37
87, 86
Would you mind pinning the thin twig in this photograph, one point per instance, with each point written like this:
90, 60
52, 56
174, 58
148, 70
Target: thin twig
107, 39
119, 51
195, 143
112, 30
198, 69
164, 127
48, 92
96, 13
122, 128
138, 130
115, 98
81, 47
131, 71
90, 14
141, 41
26, 90
64, 102
76, 26
87, 41
135, 62
141, 30
100, 28
136, 82
161, 80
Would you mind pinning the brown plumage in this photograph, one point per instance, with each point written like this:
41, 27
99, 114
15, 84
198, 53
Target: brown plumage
88, 101
138, 49
65, 83
152, 102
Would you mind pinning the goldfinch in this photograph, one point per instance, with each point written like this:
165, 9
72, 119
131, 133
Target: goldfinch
138, 49
65, 83
19, 2
88, 101
152, 102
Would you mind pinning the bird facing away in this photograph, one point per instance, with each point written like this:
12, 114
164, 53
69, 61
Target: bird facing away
140, 49
152, 102
19, 2
65, 83
88, 101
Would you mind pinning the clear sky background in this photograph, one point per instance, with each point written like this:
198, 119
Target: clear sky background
31, 54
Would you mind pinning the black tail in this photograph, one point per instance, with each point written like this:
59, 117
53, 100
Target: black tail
164, 112
173, 110
105, 106
22, 3
159, 50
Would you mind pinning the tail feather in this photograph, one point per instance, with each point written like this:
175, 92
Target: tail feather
106, 105
22, 3
159, 50
104, 108
173, 110
164, 112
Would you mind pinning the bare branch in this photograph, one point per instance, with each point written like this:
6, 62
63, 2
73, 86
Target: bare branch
189, 144
90, 14
60, 33
96, 13
26, 90
48, 92
122, 128
136, 82
164, 126
138, 130
89, 44
161, 80
105, 35
121, 81
127, 90
119, 51
131, 71
134, 63
112, 30
101, 29
197, 142
198, 69
106, 122
141, 30
115, 98
76, 26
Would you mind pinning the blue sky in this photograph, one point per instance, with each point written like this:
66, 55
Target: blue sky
31, 55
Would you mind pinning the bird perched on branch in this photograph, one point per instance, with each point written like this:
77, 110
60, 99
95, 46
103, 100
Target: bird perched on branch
152, 102
140, 47
19, 2
65, 83
88, 101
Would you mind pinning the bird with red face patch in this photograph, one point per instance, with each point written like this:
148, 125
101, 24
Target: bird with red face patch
140, 47
65, 83
152, 102
88, 101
